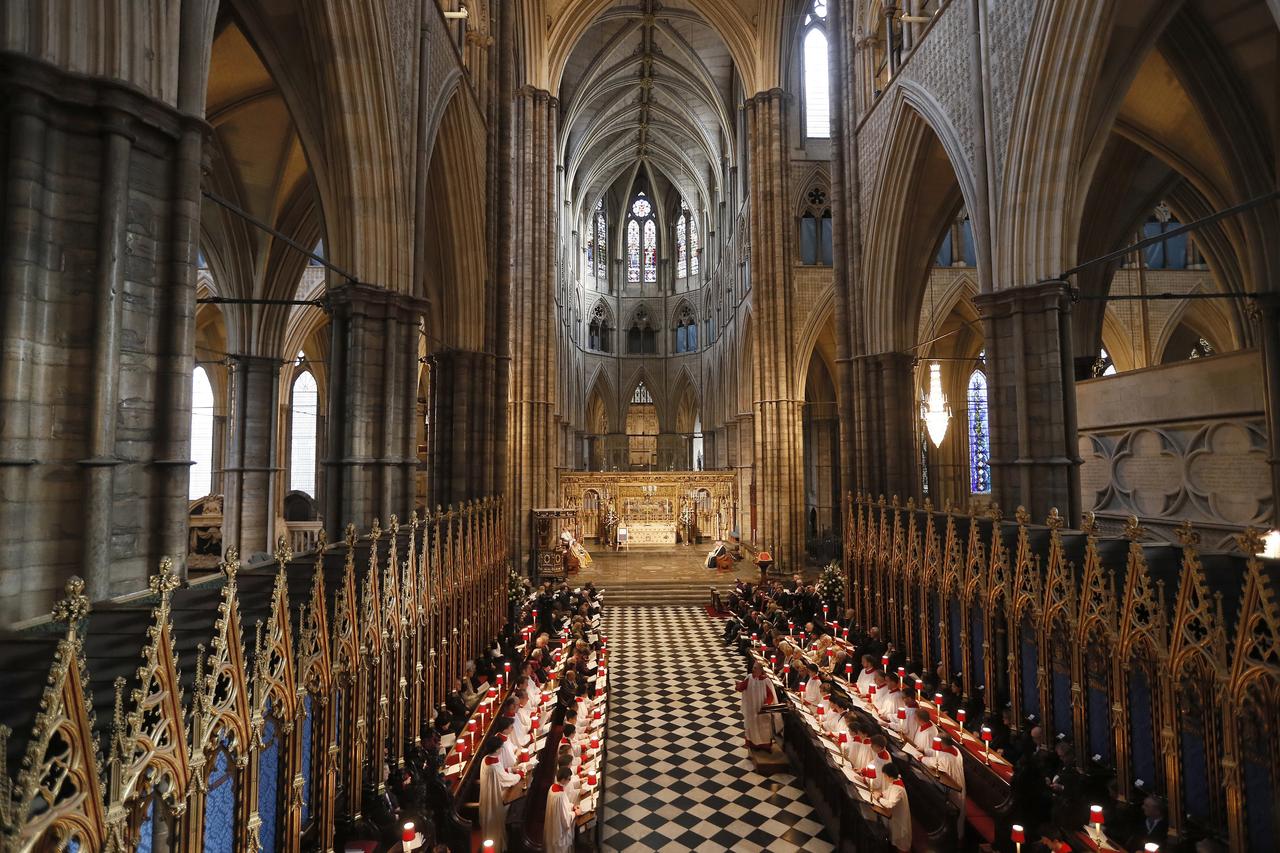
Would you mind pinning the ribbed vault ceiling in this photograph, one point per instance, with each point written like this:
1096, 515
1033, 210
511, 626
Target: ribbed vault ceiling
649, 83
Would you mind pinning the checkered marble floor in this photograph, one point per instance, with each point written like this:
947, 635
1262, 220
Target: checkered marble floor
678, 773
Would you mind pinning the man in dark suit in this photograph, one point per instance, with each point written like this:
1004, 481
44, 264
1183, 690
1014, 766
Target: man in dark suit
1154, 828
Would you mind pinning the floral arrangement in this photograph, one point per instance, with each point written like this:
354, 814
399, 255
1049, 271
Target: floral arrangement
831, 585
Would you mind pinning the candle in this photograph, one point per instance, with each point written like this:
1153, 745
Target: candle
902, 672
902, 713
596, 714
884, 660
960, 715
791, 627
1151, 847
1018, 835
500, 680
595, 743
1095, 815
473, 724
535, 615
937, 743
599, 692
844, 633
844, 738
870, 772
591, 780
828, 652
848, 670
506, 667
986, 734
524, 756
937, 698
488, 844
821, 710
871, 691
919, 685
773, 660
754, 636
408, 834
824, 612
786, 669
533, 724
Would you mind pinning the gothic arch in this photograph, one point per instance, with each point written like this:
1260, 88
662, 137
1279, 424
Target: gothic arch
818, 324
686, 402
923, 180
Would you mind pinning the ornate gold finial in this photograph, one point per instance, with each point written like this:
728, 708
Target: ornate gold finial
1250, 540
375, 532
1021, 515
1089, 524
994, 513
927, 505
911, 503
231, 563
1134, 531
322, 541
350, 537
284, 554
413, 519
165, 581
1055, 520
1187, 536
75, 607
395, 524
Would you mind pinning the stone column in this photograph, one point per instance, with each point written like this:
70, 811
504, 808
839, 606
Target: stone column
888, 413
1034, 453
372, 401
531, 438
461, 434
779, 409
96, 318
249, 473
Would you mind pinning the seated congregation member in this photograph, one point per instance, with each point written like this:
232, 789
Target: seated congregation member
891, 802
455, 702
891, 699
911, 722
558, 828
1154, 828
757, 691
496, 784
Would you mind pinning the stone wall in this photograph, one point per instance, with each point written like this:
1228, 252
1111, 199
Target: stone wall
1183, 441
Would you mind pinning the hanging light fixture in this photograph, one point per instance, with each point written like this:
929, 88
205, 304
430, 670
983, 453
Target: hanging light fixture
933, 406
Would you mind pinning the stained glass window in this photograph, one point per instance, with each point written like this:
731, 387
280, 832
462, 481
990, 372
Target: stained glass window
220, 805
633, 251
650, 252
307, 708
302, 445
146, 833
269, 783
817, 73
693, 245
681, 258
979, 435
642, 257
602, 242
201, 482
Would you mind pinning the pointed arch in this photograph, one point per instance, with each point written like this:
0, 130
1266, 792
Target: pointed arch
600, 391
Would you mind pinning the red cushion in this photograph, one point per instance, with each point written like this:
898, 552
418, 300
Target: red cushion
980, 821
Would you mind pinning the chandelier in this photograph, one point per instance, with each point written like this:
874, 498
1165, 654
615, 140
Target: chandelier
934, 410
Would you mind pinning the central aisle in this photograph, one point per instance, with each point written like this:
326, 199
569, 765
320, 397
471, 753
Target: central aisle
678, 775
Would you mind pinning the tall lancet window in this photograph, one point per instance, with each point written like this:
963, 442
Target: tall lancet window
682, 258
302, 445
633, 251
602, 242
642, 253
693, 244
201, 482
979, 435
817, 72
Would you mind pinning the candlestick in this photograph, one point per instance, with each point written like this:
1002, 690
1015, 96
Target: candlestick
488, 844
884, 660
1095, 823
848, 670
919, 685
960, 715
986, 742
773, 660
1151, 847
1018, 835
844, 633
902, 672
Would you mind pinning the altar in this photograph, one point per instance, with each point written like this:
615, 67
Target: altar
655, 508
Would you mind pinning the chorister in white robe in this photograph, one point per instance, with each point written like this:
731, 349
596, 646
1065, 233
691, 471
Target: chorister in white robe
832, 722
507, 755
533, 691
520, 728
866, 679
494, 784
924, 736
951, 762
813, 690
857, 751
888, 703
894, 800
909, 726
557, 828
757, 691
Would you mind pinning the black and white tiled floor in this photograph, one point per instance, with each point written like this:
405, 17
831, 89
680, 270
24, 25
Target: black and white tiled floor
678, 774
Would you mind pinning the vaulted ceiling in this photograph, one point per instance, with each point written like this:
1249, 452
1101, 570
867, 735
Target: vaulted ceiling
648, 84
